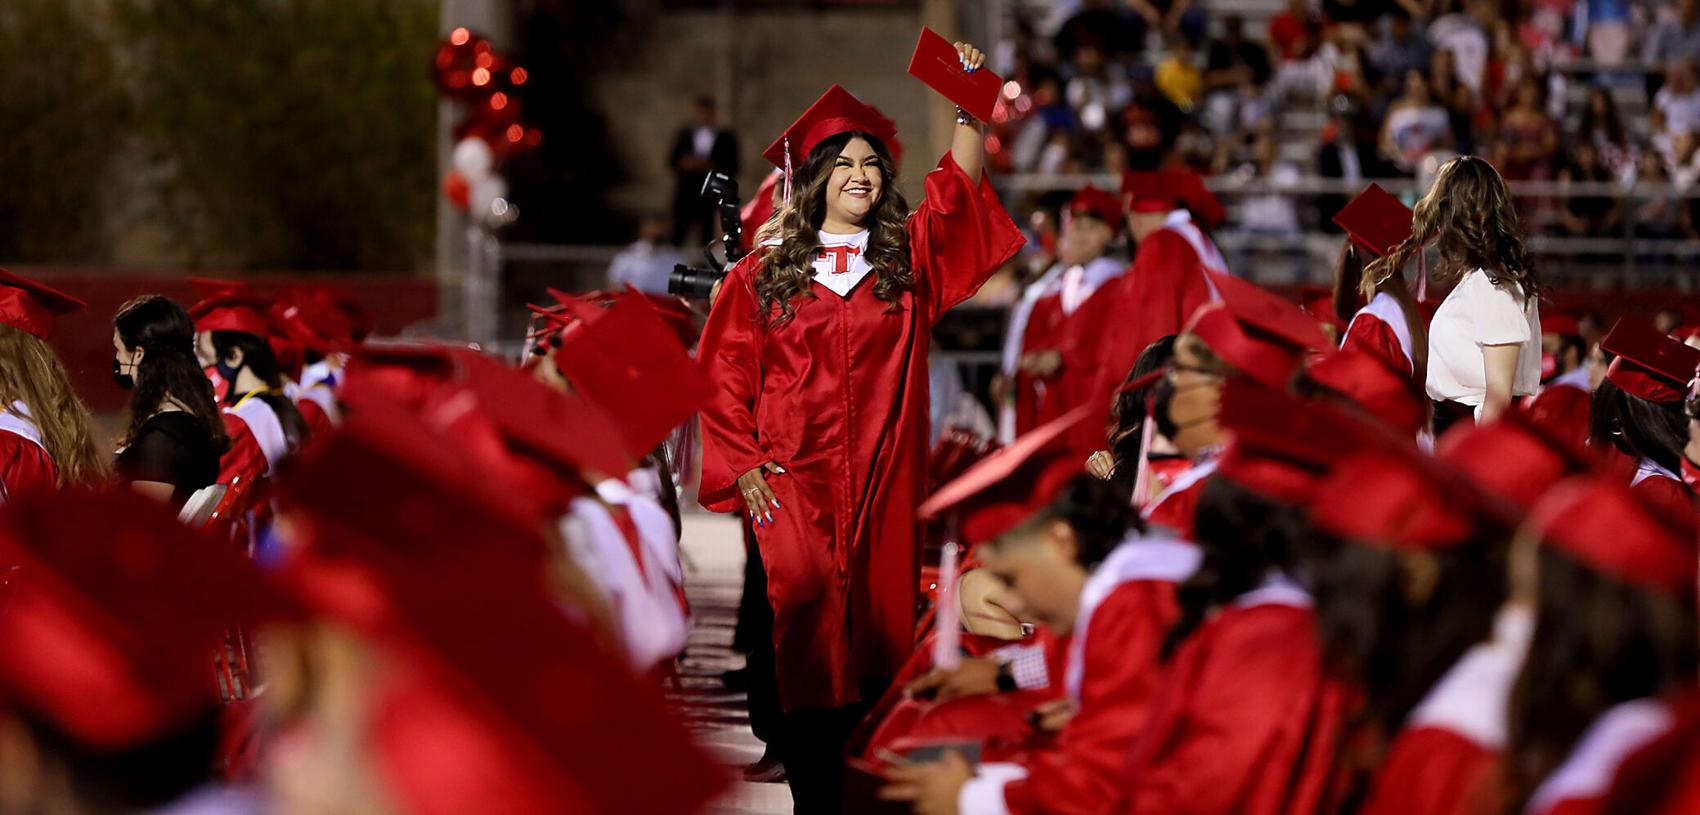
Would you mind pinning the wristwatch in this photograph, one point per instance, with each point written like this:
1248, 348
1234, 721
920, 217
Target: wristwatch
963, 117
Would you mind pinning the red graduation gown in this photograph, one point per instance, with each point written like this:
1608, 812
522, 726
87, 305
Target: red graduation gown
25, 468
1152, 300
1581, 783
1446, 759
1247, 722
1380, 329
838, 397
1036, 399
1176, 509
1113, 673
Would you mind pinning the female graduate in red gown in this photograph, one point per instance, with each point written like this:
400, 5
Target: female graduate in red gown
817, 346
45, 441
1614, 643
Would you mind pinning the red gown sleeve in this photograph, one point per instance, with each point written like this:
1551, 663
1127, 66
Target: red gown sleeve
1084, 772
1666, 493
318, 423
958, 237
25, 470
1372, 336
1432, 771
731, 353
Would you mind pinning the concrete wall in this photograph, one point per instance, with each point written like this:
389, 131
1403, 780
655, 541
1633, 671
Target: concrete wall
765, 67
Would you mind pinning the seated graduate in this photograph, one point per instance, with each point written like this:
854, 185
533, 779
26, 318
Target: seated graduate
1080, 568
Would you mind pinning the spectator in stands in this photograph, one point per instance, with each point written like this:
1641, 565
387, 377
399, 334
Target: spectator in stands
1348, 153
1401, 49
1589, 215
1149, 125
1178, 76
1608, 30
1350, 12
1657, 212
1679, 100
1450, 92
1528, 139
1169, 18
1235, 71
1100, 26
1098, 87
1415, 124
1464, 35
1269, 210
1603, 127
1294, 33
1675, 39
647, 261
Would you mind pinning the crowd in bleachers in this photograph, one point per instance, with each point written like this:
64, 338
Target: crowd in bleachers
1562, 91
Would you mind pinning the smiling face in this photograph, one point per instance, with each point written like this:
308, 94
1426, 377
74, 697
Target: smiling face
855, 186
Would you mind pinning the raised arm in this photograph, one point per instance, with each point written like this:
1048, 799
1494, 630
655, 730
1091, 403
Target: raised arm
968, 140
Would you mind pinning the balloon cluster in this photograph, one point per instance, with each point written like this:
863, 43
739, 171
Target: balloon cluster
490, 86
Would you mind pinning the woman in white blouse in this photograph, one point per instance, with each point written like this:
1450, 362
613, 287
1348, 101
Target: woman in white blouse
1484, 344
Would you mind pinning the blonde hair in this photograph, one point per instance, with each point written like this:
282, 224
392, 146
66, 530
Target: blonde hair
31, 373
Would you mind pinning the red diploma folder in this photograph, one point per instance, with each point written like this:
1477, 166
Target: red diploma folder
937, 64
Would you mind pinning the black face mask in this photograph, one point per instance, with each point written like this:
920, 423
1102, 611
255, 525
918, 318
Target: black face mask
1161, 394
124, 380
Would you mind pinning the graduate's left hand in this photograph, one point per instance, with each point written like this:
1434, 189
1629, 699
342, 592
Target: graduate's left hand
973, 59
931, 787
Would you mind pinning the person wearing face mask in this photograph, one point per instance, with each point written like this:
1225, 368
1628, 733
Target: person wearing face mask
1047, 353
173, 433
817, 428
1169, 215
1249, 334
264, 426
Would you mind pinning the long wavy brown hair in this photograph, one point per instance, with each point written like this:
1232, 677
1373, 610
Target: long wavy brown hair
31, 373
787, 269
1468, 212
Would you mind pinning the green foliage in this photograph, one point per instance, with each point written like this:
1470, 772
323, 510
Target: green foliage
289, 134
62, 114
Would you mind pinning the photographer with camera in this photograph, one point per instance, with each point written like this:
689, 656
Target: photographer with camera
817, 346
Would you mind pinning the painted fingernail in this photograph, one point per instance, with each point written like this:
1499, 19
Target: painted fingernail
781, 469
776, 504
770, 517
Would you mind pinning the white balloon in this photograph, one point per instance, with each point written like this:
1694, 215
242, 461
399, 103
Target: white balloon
474, 159
485, 194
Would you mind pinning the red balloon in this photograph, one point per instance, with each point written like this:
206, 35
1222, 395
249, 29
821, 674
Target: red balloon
459, 56
457, 190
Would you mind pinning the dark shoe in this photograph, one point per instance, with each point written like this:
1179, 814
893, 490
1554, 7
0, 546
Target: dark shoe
736, 680
768, 770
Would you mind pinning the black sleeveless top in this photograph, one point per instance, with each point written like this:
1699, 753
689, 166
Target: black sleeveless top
171, 448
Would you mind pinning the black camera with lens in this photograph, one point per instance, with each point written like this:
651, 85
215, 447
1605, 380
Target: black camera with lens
697, 282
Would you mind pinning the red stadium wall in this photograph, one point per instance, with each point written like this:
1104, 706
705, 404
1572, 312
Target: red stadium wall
84, 340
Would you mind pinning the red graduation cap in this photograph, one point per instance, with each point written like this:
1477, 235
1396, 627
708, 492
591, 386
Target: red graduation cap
1368, 382
111, 615
1384, 499
1166, 190
234, 310
490, 691
315, 318
1099, 204
1510, 458
1282, 446
1263, 336
1376, 220
1601, 523
837, 111
1649, 364
628, 362
1560, 323
1008, 486
32, 307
